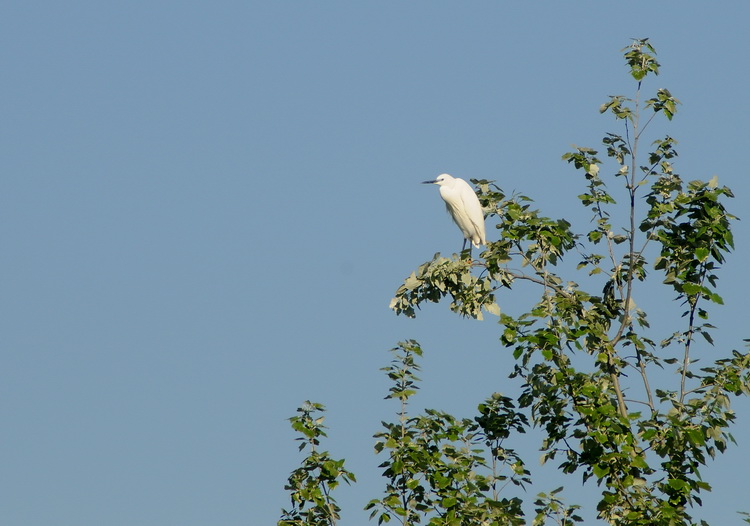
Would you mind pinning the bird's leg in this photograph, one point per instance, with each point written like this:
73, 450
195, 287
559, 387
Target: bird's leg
463, 248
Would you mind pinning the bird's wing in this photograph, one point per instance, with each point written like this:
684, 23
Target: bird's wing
454, 203
473, 211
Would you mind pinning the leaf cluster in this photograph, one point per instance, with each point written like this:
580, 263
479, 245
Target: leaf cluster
444, 470
311, 484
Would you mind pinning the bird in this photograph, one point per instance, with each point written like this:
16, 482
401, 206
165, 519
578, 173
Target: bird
463, 205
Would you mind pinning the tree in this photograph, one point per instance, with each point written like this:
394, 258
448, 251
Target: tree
590, 365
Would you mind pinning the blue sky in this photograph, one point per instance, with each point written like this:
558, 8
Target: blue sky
206, 208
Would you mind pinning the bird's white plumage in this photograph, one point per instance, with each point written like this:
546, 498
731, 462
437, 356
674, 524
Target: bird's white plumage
463, 206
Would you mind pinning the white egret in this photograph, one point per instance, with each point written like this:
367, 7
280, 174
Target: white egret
463, 205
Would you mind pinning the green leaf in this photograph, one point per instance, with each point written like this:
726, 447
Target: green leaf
691, 288
701, 254
600, 470
493, 308
678, 484
449, 502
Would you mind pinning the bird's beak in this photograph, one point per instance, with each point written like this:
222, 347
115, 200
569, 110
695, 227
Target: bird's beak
429, 182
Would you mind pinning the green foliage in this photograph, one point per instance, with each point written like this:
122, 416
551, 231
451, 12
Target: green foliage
310, 485
443, 470
442, 277
550, 507
619, 404
586, 354
640, 56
